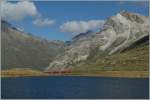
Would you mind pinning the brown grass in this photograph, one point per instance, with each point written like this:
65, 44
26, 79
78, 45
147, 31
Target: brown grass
21, 72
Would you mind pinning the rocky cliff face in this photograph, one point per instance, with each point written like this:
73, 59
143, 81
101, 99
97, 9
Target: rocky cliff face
120, 32
22, 50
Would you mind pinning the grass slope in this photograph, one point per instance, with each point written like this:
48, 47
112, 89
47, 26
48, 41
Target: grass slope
131, 63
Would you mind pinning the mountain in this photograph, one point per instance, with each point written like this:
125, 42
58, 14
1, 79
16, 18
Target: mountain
133, 58
121, 32
81, 35
23, 50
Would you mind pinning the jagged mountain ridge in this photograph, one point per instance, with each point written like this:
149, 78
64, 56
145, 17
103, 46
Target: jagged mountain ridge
120, 32
22, 50
81, 35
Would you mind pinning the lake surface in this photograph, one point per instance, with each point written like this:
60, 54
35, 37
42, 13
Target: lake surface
74, 87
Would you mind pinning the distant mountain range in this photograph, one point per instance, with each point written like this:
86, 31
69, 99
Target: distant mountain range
121, 45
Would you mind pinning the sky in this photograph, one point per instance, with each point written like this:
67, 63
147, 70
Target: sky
62, 20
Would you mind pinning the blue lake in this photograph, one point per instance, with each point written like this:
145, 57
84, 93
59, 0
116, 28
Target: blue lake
74, 87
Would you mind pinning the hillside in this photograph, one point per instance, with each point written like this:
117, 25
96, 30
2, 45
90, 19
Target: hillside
135, 59
122, 45
23, 50
120, 49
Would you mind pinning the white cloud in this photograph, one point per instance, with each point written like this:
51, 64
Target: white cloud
17, 11
43, 22
76, 27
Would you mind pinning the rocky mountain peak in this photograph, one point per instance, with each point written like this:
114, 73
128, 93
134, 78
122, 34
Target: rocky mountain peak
125, 17
133, 16
121, 31
125, 26
80, 35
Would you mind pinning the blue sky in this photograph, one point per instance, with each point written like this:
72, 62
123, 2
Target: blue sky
65, 11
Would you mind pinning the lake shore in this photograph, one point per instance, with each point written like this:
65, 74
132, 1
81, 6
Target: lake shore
32, 73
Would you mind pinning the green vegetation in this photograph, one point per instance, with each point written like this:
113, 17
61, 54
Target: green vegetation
133, 62
129, 74
125, 64
133, 59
